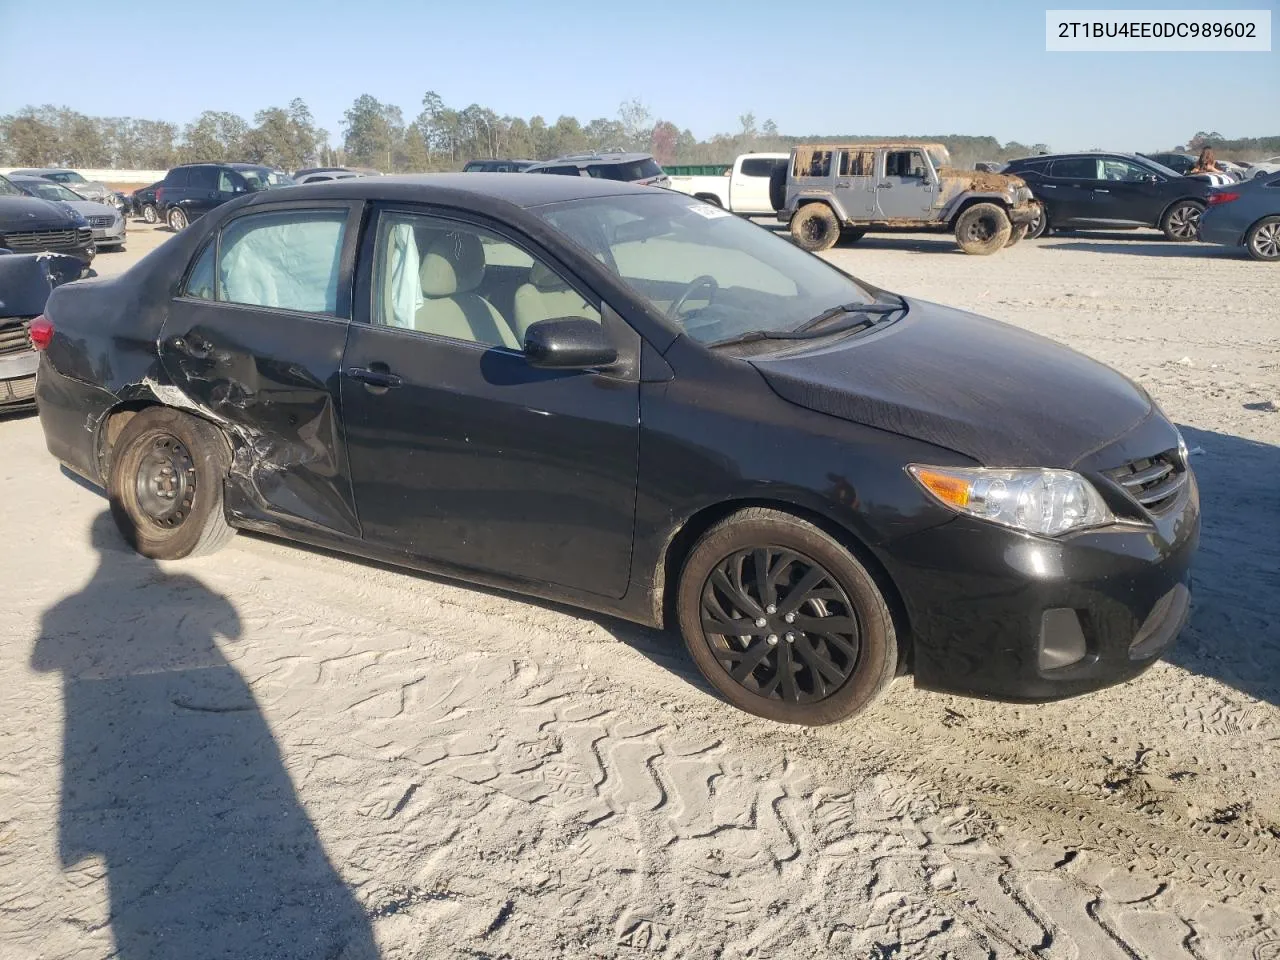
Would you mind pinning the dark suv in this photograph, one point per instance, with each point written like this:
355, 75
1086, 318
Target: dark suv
190, 191
1112, 191
498, 166
637, 168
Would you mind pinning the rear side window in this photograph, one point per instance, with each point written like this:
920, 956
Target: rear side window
1033, 166
1078, 168
562, 171
625, 171
177, 177
812, 163
204, 178
285, 261
758, 167
200, 280
857, 163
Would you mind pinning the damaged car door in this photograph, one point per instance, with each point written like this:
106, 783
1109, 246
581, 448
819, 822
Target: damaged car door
254, 340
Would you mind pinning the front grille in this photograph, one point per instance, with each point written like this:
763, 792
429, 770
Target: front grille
15, 337
1153, 481
38, 240
102, 221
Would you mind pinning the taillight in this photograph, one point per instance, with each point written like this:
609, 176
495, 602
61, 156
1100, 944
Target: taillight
159, 196
1217, 198
41, 332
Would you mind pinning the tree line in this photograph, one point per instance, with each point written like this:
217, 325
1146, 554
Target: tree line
438, 137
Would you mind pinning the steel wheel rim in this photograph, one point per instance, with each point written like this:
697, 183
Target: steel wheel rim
1185, 221
165, 482
1266, 240
982, 229
815, 230
780, 625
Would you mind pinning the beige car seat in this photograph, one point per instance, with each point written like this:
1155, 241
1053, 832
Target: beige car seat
546, 297
451, 270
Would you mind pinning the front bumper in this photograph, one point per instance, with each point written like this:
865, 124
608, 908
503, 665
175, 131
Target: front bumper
109, 236
1025, 213
18, 380
1006, 616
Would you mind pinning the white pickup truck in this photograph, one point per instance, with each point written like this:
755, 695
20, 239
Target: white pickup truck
743, 188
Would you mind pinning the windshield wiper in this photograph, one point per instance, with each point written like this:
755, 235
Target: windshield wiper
866, 315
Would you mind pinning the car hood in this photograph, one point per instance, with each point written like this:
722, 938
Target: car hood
32, 213
90, 208
985, 389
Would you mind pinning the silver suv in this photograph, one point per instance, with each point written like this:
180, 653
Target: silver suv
831, 192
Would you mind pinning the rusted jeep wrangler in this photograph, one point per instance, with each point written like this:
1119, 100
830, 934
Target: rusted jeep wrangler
831, 192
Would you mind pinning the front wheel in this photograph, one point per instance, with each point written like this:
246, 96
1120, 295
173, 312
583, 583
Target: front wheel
983, 229
165, 485
149, 214
783, 621
1263, 240
815, 227
177, 220
1039, 227
1181, 222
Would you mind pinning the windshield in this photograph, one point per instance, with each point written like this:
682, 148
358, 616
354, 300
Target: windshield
1159, 167
51, 191
715, 275
262, 178
68, 176
940, 157
7, 189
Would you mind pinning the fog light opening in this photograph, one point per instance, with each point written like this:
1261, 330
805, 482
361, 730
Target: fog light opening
1062, 640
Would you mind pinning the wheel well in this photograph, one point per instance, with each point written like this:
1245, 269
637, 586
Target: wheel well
118, 418
972, 202
708, 198
686, 537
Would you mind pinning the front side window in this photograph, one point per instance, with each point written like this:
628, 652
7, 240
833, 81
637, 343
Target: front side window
69, 176
286, 261
460, 281
904, 163
7, 189
713, 274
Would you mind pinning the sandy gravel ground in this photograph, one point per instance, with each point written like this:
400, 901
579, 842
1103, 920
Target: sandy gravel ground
274, 752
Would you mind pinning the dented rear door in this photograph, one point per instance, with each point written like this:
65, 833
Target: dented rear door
254, 341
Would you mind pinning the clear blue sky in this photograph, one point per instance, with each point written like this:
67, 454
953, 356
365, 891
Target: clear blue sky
896, 66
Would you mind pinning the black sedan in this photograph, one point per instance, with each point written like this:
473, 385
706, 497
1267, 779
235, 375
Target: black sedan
1113, 191
632, 401
34, 225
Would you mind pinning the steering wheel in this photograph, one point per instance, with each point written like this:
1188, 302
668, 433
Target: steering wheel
696, 284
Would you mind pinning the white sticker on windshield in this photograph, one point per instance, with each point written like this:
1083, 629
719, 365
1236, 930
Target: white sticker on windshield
709, 211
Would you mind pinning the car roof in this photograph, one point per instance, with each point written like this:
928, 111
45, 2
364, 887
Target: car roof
40, 171
872, 145
452, 187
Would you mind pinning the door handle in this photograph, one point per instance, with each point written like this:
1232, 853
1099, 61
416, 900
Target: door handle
886, 186
374, 378
842, 183
1101, 191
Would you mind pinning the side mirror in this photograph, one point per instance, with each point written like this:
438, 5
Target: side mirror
568, 343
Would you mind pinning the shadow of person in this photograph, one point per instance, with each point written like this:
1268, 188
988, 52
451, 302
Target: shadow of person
170, 775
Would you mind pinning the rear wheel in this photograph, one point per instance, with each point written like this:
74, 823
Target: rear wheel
149, 213
983, 229
1039, 227
1263, 240
165, 485
177, 220
815, 227
783, 621
1181, 222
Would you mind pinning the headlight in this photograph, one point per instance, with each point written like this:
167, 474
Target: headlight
1043, 502
77, 218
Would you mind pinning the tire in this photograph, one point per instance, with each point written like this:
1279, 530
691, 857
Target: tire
852, 234
1263, 240
983, 229
864, 651
168, 516
815, 227
778, 186
1181, 222
1016, 234
1039, 227
149, 213
177, 220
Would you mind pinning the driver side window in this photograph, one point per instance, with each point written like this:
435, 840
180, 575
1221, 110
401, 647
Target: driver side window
904, 163
456, 280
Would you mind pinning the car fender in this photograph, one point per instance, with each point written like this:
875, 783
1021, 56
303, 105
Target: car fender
958, 204
803, 197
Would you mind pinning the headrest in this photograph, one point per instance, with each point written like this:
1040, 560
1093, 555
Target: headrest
542, 277
454, 263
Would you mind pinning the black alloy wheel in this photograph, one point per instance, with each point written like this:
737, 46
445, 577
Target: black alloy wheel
780, 624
